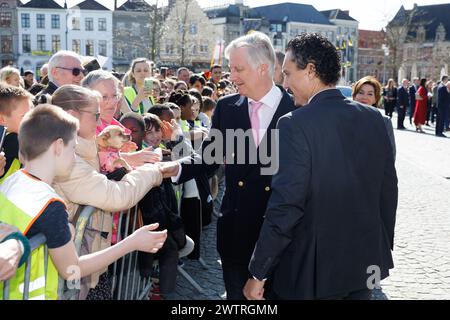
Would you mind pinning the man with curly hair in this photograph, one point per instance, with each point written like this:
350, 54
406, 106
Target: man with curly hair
329, 225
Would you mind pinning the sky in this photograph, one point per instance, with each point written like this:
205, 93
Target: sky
372, 14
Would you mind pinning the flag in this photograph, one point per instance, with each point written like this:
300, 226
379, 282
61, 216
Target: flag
218, 53
350, 42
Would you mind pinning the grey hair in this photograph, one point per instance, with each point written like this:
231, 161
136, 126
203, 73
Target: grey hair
43, 67
55, 60
99, 75
260, 50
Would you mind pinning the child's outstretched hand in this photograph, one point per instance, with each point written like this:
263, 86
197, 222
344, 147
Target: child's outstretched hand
167, 129
147, 240
129, 146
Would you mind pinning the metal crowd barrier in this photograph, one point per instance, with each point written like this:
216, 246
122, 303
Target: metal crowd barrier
127, 283
35, 242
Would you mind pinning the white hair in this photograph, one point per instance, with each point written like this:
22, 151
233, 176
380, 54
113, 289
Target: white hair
260, 50
45, 66
99, 75
55, 60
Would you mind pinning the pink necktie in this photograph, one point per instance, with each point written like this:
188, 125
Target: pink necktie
254, 119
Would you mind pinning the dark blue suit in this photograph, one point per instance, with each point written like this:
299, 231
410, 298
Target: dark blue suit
246, 193
412, 102
402, 105
332, 212
442, 104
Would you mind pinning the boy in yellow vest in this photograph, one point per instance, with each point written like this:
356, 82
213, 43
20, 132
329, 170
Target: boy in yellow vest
15, 102
47, 139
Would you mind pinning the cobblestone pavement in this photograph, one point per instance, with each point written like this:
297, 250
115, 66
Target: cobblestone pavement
422, 238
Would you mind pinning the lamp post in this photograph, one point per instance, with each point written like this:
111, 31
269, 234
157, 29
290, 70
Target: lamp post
386, 54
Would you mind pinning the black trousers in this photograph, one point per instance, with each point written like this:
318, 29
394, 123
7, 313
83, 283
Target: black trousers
440, 121
363, 294
192, 220
389, 108
235, 277
401, 116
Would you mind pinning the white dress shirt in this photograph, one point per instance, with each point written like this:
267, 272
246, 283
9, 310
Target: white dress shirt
269, 106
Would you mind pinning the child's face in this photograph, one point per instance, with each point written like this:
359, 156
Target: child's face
14, 80
12, 122
153, 137
66, 158
137, 134
195, 109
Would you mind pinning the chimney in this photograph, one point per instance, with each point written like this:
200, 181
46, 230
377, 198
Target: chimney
115, 5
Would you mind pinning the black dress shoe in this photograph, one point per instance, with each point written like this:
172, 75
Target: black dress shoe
441, 135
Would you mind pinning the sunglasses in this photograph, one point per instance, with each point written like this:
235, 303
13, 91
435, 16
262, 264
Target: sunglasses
75, 71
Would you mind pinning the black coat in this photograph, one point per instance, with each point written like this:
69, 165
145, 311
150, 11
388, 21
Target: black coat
412, 97
332, 211
247, 191
403, 97
443, 97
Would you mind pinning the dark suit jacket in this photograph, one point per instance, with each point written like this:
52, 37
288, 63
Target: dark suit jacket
443, 98
333, 205
403, 98
412, 97
247, 191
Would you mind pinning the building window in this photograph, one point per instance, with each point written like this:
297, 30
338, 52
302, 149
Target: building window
89, 24
102, 24
5, 19
89, 48
102, 49
40, 21
136, 29
76, 46
55, 21
56, 43
193, 28
4, 5
26, 43
6, 44
25, 18
75, 23
120, 52
203, 48
169, 48
41, 42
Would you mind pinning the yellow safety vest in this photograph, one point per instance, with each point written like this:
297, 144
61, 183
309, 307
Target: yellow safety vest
22, 199
185, 127
130, 94
15, 166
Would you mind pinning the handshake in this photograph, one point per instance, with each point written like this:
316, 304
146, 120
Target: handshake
168, 169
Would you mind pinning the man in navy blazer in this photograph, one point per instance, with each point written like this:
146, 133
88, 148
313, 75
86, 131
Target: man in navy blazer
412, 98
442, 104
328, 231
402, 103
252, 159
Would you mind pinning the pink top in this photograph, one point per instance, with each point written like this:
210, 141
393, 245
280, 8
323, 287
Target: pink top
114, 122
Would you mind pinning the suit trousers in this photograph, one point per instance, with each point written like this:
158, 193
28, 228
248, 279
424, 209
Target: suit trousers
440, 121
401, 117
363, 294
192, 220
